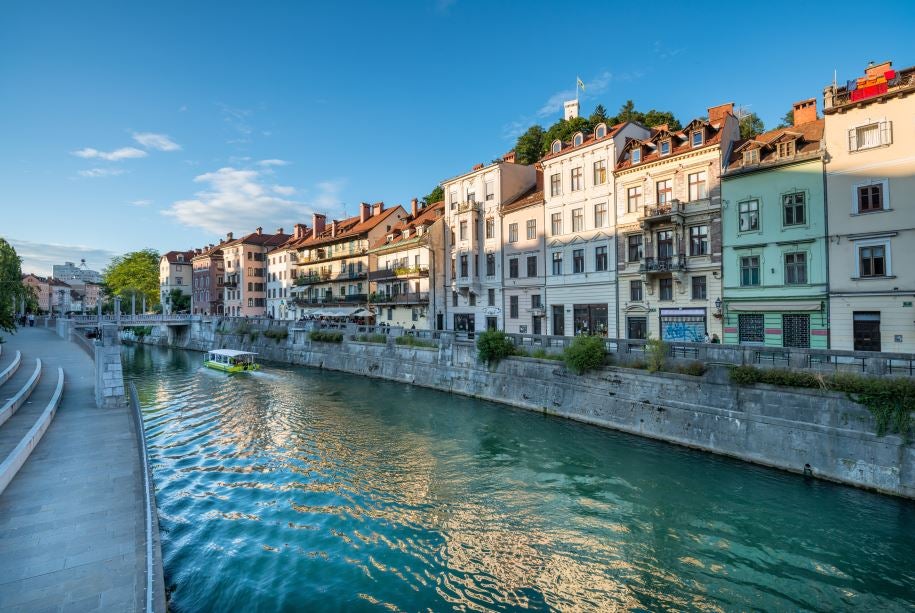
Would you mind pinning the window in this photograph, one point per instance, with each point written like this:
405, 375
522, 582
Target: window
453, 199
749, 270
555, 184
463, 230
578, 220
513, 233
556, 147
600, 172
635, 291
489, 190
576, 179
795, 268
464, 272
578, 260
513, 307
697, 138
751, 328
536, 302
453, 298
698, 186
751, 157
490, 265
665, 289
556, 223
786, 149
471, 197
490, 297
490, 227
698, 240
513, 268
600, 215
665, 240
600, 258
870, 197
557, 263
600, 131
531, 229
871, 135
472, 299
872, 260
699, 288
633, 199
665, 147
748, 213
665, 191
635, 156
794, 209
796, 331
578, 139
532, 266
179, 280
634, 242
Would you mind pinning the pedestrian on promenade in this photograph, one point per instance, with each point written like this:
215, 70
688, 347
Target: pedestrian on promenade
31, 320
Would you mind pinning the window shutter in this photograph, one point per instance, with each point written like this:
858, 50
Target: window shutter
886, 132
853, 140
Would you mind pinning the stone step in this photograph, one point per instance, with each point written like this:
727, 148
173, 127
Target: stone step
18, 388
9, 366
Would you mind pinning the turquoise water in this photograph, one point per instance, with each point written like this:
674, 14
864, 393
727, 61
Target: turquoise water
300, 490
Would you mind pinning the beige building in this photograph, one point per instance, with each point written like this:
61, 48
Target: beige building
870, 185
282, 270
334, 263
523, 262
473, 242
668, 207
245, 260
579, 228
406, 270
40, 289
175, 273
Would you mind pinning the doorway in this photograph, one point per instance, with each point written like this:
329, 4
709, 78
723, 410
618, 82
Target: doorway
867, 330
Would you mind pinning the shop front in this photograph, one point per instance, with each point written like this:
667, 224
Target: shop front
464, 322
590, 319
680, 325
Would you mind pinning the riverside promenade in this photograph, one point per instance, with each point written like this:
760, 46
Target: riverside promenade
72, 523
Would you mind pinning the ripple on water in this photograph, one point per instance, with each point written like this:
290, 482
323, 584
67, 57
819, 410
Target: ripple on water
309, 490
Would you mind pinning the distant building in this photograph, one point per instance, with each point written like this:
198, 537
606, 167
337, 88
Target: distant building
282, 270
207, 280
245, 290
40, 287
72, 274
175, 272
59, 297
91, 294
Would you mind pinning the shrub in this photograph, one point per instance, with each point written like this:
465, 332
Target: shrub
277, 334
372, 338
585, 353
412, 341
543, 354
493, 345
253, 334
326, 337
655, 354
141, 331
696, 369
242, 328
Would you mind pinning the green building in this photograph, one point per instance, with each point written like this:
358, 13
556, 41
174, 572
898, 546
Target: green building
774, 249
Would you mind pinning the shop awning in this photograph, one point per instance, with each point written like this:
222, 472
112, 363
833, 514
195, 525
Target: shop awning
768, 307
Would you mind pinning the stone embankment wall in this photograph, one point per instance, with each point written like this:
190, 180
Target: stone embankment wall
821, 433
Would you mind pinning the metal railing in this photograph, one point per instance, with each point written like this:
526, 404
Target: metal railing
405, 298
670, 264
399, 273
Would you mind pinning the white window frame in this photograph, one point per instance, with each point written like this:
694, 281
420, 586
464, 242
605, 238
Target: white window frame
661, 144
887, 252
884, 134
692, 138
885, 182
635, 156
578, 139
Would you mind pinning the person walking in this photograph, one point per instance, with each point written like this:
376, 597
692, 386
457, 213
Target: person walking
31, 320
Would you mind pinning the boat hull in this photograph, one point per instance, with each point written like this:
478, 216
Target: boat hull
231, 368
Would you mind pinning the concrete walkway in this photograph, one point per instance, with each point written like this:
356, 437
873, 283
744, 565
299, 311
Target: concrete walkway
72, 520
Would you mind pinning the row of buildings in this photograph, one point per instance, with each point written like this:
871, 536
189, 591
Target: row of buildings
787, 238
69, 289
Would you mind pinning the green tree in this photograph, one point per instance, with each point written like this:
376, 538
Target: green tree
529, 146
12, 290
179, 301
655, 118
628, 113
599, 116
436, 195
751, 125
787, 121
134, 271
563, 130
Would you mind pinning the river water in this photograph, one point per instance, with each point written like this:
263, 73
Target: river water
296, 489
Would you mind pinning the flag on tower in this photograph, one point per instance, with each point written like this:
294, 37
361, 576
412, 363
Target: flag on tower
581, 83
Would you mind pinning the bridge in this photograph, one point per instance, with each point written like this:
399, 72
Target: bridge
124, 319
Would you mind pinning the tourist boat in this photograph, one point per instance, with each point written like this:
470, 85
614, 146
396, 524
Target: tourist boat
230, 360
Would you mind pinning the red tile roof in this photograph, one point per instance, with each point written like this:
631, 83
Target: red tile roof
424, 217
172, 256
588, 141
531, 197
807, 137
349, 228
679, 140
259, 238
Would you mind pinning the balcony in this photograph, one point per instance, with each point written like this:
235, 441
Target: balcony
668, 212
347, 276
405, 298
470, 284
405, 272
651, 266
464, 207
331, 300
311, 279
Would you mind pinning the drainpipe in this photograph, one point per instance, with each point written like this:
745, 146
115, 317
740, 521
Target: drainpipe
827, 312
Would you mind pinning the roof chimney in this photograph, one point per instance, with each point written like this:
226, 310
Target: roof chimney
365, 211
228, 236
718, 113
317, 222
538, 176
805, 111
477, 167
333, 228
279, 230
377, 208
222, 240
259, 230
509, 157
414, 207
299, 230
877, 70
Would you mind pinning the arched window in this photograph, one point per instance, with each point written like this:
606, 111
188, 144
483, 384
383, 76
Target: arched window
556, 147
600, 130
578, 139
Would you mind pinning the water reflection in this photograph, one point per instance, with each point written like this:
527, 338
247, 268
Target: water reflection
294, 489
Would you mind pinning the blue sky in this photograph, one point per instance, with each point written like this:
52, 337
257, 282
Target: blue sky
165, 124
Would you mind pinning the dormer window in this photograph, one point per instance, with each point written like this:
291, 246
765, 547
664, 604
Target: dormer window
419, 230
556, 147
697, 138
578, 139
636, 156
786, 149
665, 147
179, 257
406, 233
751, 157
600, 131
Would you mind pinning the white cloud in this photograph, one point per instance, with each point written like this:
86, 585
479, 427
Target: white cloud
95, 173
112, 156
160, 142
141, 203
273, 162
38, 258
328, 197
284, 190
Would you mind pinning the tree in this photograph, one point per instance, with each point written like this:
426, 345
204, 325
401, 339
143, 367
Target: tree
563, 130
529, 147
751, 125
787, 120
179, 301
599, 116
12, 290
655, 118
628, 113
134, 271
436, 195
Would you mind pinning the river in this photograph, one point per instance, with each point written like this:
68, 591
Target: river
295, 489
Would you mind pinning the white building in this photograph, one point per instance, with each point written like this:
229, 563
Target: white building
175, 272
282, 270
580, 230
523, 262
473, 241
